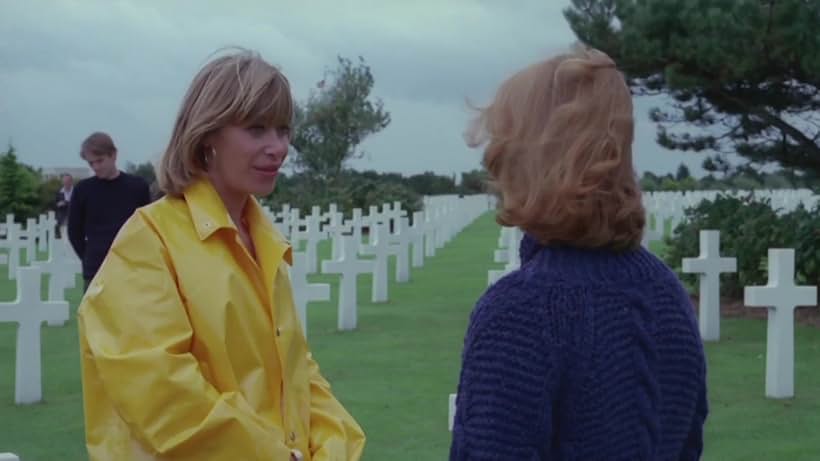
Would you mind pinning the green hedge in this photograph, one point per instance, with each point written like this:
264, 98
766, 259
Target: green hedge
351, 190
748, 228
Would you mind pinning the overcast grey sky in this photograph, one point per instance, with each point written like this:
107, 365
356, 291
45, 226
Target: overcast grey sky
70, 67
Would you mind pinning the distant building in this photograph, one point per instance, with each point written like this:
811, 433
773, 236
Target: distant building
75, 171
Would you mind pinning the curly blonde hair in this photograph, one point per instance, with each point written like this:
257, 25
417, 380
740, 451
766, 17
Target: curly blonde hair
559, 152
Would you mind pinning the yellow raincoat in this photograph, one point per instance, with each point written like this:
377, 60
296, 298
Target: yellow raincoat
193, 351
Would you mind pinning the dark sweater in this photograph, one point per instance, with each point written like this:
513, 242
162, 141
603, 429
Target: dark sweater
99, 207
582, 355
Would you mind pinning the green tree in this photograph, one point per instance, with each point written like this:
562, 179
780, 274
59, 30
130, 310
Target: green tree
147, 172
389, 192
688, 183
333, 122
669, 184
429, 183
18, 188
143, 170
709, 182
744, 75
717, 165
745, 182
777, 181
650, 182
682, 173
473, 182
47, 193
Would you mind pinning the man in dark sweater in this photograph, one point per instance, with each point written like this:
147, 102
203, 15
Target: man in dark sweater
101, 204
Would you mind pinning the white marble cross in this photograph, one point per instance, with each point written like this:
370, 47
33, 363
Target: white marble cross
294, 227
45, 230
356, 223
15, 244
452, 411
781, 297
269, 214
312, 235
392, 214
430, 234
506, 245
442, 226
285, 213
62, 266
401, 248
303, 291
513, 237
349, 267
335, 229
373, 219
29, 234
282, 221
709, 265
417, 238
332, 210
655, 234
380, 248
29, 312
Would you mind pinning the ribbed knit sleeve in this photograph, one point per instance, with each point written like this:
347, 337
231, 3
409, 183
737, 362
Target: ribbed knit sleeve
693, 447
511, 370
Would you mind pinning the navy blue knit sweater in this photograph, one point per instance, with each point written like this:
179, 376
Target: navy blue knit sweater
582, 355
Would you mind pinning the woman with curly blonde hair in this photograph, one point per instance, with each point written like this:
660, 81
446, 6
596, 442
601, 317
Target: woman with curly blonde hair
589, 351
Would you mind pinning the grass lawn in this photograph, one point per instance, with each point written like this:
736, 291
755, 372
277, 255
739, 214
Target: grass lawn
395, 372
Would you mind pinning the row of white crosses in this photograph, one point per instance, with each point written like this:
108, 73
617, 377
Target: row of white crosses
780, 296
29, 310
507, 253
391, 233
61, 264
786, 199
668, 207
442, 219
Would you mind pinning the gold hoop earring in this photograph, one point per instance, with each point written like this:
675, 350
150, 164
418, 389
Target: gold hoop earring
208, 156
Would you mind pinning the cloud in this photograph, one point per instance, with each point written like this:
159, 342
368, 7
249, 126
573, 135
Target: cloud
70, 67
432, 140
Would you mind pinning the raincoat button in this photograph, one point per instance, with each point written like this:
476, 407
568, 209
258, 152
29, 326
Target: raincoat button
292, 436
278, 331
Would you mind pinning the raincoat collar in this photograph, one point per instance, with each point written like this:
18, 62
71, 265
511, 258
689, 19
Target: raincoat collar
210, 215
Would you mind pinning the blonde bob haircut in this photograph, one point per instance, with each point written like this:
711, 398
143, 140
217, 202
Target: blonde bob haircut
239, 88
559, 153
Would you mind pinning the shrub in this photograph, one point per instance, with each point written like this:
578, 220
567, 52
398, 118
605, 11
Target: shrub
748, 228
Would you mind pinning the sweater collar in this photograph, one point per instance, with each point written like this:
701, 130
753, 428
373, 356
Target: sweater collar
529, 248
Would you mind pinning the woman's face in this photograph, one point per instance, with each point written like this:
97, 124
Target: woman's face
247, 159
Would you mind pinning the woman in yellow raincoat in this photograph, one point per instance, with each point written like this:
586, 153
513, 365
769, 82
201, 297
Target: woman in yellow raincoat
191, 346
